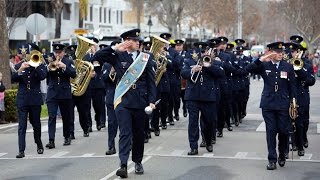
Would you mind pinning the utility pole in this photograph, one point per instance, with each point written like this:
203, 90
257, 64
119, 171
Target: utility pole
239, 5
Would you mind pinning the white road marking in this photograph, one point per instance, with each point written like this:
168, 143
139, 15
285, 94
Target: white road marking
306, 157
177, 152
132, 168
45, 127
261, 127
113, 173
148, 150
207, 155
2, 154
241, 155
8, 126
59, 154
318, 128
87, 155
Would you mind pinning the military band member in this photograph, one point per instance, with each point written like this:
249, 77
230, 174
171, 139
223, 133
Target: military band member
279, 89
201, 97
29, 101
59, 93
130, 103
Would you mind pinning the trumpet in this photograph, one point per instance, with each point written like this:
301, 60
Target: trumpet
53, 65
204, 61
297, 61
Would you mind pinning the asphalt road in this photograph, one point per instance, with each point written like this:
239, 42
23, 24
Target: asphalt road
240, 154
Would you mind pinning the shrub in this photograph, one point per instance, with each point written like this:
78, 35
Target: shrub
11, 113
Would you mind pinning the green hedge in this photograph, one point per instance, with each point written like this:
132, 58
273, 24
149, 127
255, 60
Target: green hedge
11, 113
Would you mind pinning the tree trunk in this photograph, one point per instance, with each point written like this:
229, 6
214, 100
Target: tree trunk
4, 46
58, 23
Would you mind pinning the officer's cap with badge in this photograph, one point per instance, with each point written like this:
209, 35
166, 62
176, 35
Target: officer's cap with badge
222, 40
292, 46
147, 45
58, 47
34, 47
201, 46
23, 49
296, 39
229, 47
101, 46
165, 36
276, 46
131, 34
239, 41
179, 41
212, 42
71, 48
241, 48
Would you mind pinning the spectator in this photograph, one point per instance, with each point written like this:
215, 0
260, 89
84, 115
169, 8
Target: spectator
2, 89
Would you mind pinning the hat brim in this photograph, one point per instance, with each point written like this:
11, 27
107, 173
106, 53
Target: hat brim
134, 38
277, 50
58, 51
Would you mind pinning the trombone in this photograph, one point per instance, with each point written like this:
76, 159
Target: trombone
204, 61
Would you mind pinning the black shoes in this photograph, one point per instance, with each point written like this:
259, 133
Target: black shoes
230, 128
219, 134
306, 144
209, 148
171, 123
86, 134
138, 168
236, 123
90, 129
185, 113
203, 144
301, 152
67, 141
122, 172
111, 151
271, 166
177, 118
103, 125
40, 148
156, 132
146, 140
72, 136
20, 155
51, 144
213, 141
286, 155
294, 148
98, 127
281, 161
193, 152
149, 135
163, 126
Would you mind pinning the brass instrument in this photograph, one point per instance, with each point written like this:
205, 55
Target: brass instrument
53, 64
204, 61
297, 61
293, 112
157, 47
83, 68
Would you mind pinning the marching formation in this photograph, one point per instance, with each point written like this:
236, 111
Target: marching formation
137, 87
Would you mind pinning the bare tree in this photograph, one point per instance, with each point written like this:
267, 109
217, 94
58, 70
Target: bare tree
15, 9
4, 46
57, 8
137, 6
304, 16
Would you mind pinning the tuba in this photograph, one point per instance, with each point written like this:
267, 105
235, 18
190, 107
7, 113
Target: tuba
157, 46
83, 68
297, 61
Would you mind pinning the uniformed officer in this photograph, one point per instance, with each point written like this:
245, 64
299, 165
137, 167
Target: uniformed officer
175, 81
130, 103
182, 53
201, 97
29, 101
279, 89
81, 102
96, 89
59, 94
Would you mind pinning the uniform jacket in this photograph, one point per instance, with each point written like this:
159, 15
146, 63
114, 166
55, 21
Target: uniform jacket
145, 91
29, 93
96, 82
279, 84
174, 68
204, 89
59, 81
110, 85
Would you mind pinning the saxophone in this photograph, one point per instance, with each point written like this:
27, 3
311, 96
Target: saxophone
83, 68
157, 48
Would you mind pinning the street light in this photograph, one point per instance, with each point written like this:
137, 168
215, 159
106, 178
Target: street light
149, 24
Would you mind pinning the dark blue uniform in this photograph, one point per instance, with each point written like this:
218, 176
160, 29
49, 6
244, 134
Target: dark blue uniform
59, 94
201, 97
130, 112
29, 101
279, 89
110, 86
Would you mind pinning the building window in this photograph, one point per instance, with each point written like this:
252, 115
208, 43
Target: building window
117, 17
91, 13
109, 16
105, 15
66, 11
121, 17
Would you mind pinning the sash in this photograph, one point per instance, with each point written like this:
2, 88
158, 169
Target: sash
130, 77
